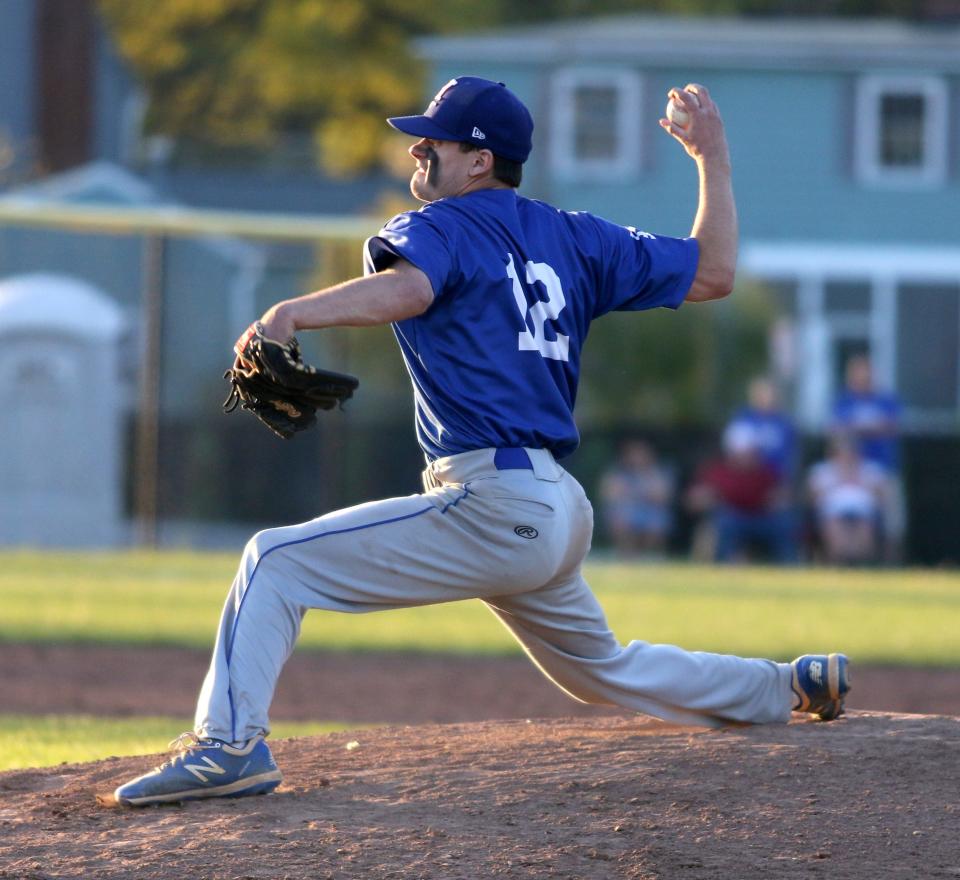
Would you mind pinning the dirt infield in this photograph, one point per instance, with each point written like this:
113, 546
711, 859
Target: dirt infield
870, 795
363, 688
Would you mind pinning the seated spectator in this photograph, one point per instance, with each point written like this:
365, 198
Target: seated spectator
636, 495
741, 493
848, 494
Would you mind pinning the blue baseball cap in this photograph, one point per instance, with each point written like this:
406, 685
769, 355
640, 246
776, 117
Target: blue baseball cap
476, 111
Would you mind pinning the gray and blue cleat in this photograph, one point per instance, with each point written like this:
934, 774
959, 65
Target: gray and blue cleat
204, 768
820, 682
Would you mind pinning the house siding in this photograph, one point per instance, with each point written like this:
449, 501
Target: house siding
791, 137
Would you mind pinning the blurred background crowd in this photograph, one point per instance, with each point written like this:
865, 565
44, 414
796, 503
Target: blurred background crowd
757, 497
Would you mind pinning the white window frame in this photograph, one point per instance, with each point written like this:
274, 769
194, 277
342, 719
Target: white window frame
626, 162
870, 92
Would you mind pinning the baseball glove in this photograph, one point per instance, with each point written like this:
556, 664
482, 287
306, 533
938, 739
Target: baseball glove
270, 379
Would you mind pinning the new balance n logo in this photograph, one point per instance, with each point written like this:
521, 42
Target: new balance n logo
816, 672
208, 766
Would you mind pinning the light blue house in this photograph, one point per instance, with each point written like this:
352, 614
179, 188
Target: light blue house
845, 137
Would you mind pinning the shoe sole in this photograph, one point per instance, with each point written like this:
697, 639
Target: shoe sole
838, 683
262, 783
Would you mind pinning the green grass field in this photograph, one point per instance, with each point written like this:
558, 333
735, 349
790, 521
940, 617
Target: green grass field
902, 617
905, 617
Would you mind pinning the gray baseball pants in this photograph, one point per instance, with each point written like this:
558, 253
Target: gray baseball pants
510, 527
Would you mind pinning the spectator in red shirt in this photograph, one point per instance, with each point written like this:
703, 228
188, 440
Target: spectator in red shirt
741, 493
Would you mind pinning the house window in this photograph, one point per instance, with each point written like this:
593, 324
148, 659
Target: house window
596, 124
901, 130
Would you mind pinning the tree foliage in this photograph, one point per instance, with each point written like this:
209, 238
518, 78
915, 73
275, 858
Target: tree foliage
665, 368
243, 73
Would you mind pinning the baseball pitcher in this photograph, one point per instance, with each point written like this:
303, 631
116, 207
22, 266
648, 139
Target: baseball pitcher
490, 295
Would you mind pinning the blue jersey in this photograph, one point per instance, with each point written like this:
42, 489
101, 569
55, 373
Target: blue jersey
775, 436
874, 419
495, 359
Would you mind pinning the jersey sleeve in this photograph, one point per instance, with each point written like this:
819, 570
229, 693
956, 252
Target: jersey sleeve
418, 239
639, 271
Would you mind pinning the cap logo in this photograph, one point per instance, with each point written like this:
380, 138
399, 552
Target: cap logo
470, 108
439, 96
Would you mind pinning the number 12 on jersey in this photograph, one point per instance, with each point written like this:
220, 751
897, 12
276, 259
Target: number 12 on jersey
541, 311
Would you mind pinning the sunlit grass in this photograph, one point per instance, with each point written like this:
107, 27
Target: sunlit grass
47, 740
908, 617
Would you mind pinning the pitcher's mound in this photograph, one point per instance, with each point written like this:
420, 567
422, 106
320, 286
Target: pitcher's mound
618, 797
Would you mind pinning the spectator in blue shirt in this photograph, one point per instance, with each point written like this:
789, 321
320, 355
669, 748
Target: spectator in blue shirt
772, 428
776, 441
872, 418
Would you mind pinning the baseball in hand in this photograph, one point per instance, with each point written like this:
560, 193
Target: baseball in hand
677, 113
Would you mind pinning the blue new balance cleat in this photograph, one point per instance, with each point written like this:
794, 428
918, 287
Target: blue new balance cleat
821, 681
204, 768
